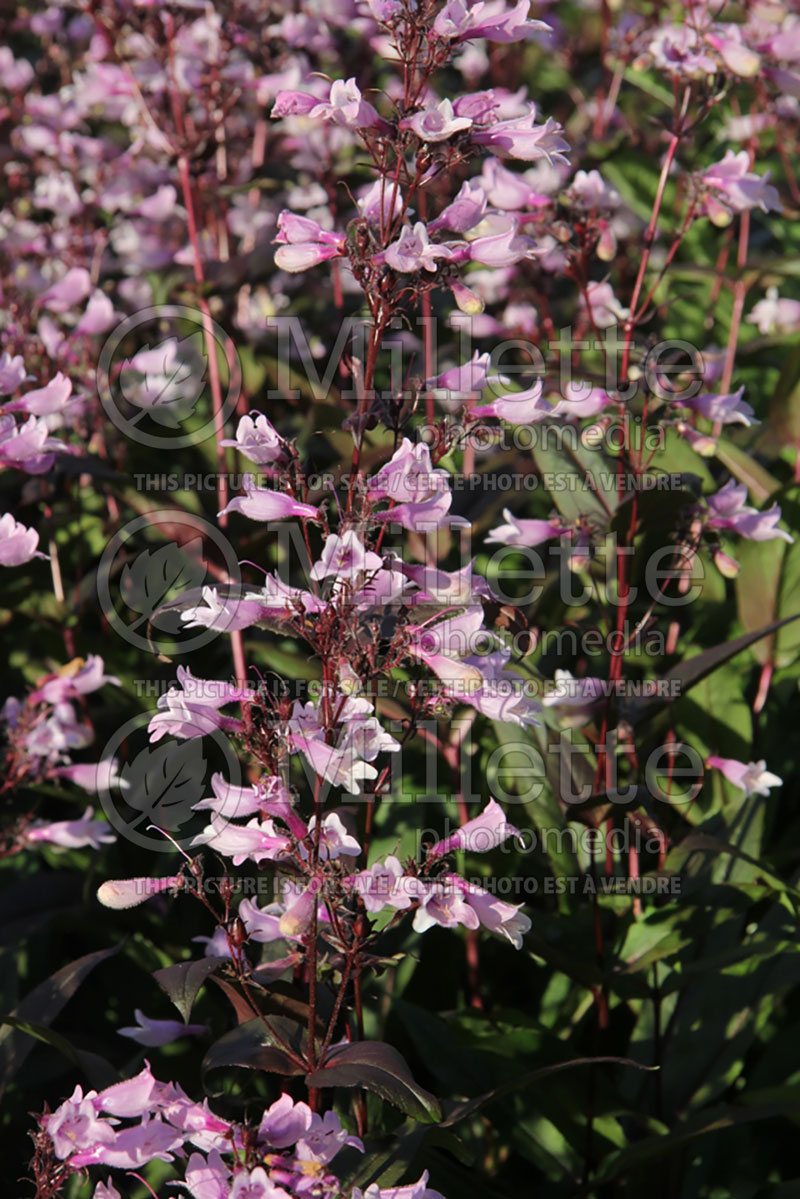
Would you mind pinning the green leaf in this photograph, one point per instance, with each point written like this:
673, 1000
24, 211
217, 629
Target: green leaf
583, 480
377, 1067
183, 981
760, 483
686, 674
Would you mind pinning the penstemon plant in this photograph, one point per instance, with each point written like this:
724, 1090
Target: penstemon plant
517, 552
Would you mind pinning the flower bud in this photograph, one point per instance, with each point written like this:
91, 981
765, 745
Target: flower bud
728, 567
466, 300
607, 245
122, 893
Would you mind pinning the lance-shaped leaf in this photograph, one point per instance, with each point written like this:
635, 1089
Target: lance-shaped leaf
587, 480
275, 1045
377, 1067
98, 1071
183, 981
686, 674
759, 482
768, 585
41, 1006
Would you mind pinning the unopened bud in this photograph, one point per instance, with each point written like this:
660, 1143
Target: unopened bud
607, 244
238, 933
467, 300
727, 566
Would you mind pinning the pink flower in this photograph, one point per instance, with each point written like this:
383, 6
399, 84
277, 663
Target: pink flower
44, 401
408, 475
261, 503
154, 1033
603, 305
579, 401
445, 905
207, 1179
99, 315
132, 1147
436, 124
464, 212
507, 190
122, 893
466, 380
504, 246
414, 251
229, 801
71, 834
415, 1190
12, 372
256, 439
134, 1097
344, 557
293, 103
502, 919
256, 1184
334, 839
753, 778
17, 542
301, 256
29, 446
341, 767
522, 138
518, 408
303, 243
323, 1139
93, 776
75, 1126
256, 841
517, 531
424, 516
78, 678
575, 700
774, 314
733, 187
106, 1190
491, 20
385, 885
727, 409
502, 694
729, 511
484, 832
284, 1123
589, 190
70, 291
261, 924
346, 106
184, 718
299, 912
228, 615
